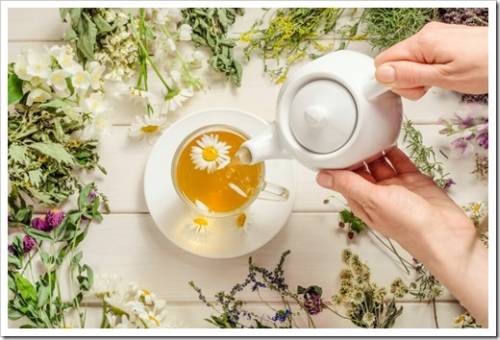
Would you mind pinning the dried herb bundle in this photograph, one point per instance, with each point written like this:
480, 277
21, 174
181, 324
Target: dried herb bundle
292, 35
210, 28
385, 27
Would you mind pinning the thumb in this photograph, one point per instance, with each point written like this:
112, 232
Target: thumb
407, 74
349, 184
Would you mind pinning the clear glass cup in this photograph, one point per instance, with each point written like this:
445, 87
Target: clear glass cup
264, 190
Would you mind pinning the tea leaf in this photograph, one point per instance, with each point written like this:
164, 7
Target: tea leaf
53, 150
15, 88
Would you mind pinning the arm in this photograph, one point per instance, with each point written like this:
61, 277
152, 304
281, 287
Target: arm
394, 198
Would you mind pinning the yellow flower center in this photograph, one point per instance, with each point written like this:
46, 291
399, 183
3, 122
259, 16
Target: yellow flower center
155, 320
150, 128
146, 292
200, 221
210, 154
240, 220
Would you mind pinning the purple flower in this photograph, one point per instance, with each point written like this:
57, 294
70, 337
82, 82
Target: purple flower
281, 315
462, 145
12, 249
40, 223
91, 197
313, 304
28, 243
482, 138
448, 183
54, 218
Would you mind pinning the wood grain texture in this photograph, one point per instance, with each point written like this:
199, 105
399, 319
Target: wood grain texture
128, 243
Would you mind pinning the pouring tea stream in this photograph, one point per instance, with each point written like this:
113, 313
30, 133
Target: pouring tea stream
331, 114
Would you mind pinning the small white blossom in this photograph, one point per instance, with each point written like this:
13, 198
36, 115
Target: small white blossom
58, 80
175, 102
81, 80
38, 64
96, 70
37, 96
185, 32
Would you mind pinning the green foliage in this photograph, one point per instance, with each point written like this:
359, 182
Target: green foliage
37, 298
210, 28
14, 88
423, 156
384, 27
290, 35
45, 152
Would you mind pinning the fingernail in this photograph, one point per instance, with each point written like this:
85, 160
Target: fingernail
386, 74
325, 180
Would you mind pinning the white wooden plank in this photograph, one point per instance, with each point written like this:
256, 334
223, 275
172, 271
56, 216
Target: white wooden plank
131, 246
257, 94
193, 315
32, 24
124, 159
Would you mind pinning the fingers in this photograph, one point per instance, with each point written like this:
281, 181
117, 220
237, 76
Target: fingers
400, 161
381, 170
349, 184
412, 94
366, 175
404, 50
408, 75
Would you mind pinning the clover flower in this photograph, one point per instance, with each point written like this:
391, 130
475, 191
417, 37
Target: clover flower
54, 218
28, 243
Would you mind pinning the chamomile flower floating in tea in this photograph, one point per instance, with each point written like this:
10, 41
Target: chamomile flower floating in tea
210, 154
147, 127
243, 221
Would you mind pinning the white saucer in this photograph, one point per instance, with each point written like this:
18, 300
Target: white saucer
221, 239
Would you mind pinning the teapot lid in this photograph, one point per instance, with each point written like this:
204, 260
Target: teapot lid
323, 115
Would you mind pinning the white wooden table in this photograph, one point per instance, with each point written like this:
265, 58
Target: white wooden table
128, 243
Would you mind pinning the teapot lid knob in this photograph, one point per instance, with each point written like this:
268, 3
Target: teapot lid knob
323, 115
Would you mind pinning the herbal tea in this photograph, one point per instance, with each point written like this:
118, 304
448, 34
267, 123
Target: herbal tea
209, 174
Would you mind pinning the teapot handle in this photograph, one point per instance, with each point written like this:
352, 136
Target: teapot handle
374, 89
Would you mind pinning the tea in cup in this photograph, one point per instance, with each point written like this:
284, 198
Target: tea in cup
209, 177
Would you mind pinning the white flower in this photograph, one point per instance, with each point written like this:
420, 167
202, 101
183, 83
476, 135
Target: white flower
58, 80
37, 96
170, 45
94, 103
105, 285
38, 64
81, 80
210, 154
368, 319
66, 58
21, 65
197, 59
147, 127
175, 99
185, 32
97, 127
168, 16
96, 70
199, 224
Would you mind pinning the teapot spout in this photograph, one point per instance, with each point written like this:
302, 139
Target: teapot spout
262, 147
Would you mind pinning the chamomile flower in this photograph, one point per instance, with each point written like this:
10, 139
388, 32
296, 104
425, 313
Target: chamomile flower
368, 319
147, 127
243, 221
199, 224
210, 154
176, 98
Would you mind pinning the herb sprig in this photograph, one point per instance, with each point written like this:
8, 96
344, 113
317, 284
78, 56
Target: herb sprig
210, 29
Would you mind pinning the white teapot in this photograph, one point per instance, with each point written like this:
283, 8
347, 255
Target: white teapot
331, 114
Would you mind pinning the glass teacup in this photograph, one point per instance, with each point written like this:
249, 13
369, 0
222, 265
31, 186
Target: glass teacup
209, 178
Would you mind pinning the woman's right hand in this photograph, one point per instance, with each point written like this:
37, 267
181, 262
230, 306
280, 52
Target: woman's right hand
454, 57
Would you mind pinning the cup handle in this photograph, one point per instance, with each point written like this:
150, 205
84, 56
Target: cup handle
273, 192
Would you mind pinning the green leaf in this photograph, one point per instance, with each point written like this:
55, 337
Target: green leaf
88, 37
55, 104
70, 35
83, 197
38, 234
35, 177
43, 295
25, 288
15, 88
102, 25
53, 150
17, 153
15, 261
14, 314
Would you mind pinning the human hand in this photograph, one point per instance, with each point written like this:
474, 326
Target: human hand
396, 199
454, 57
